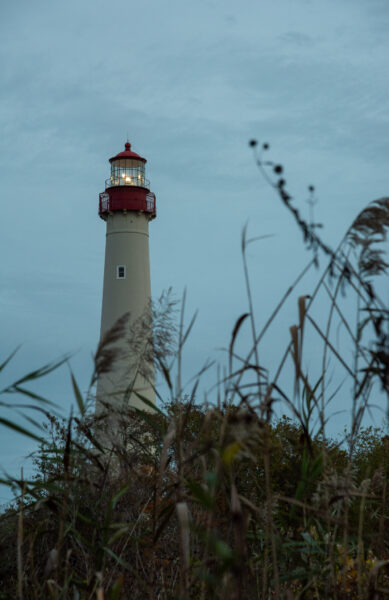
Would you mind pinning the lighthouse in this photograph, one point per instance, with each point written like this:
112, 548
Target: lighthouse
127, 206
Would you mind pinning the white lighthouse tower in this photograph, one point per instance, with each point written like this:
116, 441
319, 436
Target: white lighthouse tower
127, 206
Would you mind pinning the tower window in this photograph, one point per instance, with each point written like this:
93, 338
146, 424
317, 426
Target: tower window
121, 272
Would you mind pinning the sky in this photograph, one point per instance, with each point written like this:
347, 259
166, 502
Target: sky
189, 83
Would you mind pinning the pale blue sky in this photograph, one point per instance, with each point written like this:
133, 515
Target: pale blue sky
191, 83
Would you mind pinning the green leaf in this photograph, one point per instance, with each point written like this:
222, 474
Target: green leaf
20, 429
222, 550
119, 495
305, 464
10, 357
82, 539
83, 518
200, 494
77, 394
168, 511
165, 372
38, 373
149, 403
156, 424
118, 534
76, 594
189, 328
235, 332
317, 467
218, 546
119, 560
211, 479
34, 396
33, 422
116, 591
301, 486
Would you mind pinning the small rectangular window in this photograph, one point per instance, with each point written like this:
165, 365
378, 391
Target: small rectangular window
121, 272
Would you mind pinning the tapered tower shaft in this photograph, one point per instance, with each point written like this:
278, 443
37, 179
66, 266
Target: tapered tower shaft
125, 352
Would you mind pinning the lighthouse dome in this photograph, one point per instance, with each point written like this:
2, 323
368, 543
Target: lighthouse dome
127, 153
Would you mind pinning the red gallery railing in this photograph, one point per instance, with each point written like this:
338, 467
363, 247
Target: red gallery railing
146, 204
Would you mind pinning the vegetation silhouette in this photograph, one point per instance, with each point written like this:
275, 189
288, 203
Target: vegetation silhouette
221, 499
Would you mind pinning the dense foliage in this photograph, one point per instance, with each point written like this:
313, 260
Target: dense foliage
188, 514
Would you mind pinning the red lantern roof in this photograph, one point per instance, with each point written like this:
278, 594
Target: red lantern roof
128, 154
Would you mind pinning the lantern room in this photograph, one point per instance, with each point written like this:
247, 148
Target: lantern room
127, 189
127, 168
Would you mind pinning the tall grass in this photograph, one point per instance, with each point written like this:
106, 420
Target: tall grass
223, 499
